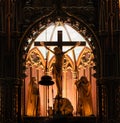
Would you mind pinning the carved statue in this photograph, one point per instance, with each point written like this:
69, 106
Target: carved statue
32, 97
84, 97
61, 107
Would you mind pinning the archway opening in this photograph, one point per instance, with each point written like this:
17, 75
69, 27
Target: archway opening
78, 62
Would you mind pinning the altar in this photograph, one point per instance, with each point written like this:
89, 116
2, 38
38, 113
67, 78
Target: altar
75, 119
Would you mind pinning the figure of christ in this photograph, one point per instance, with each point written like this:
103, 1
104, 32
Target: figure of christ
57, 66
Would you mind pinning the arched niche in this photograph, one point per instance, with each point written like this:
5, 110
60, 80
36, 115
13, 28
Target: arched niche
74, 69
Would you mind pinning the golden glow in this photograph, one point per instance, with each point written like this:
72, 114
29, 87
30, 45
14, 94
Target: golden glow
69, 75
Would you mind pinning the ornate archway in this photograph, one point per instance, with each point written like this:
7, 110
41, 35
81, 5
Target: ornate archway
41, 24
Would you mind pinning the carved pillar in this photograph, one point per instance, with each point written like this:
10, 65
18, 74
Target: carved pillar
10, 87
2, 16
110, 44
108, 100
102, 101
117, 100
10, 108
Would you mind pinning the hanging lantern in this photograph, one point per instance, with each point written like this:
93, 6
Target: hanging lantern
46, 80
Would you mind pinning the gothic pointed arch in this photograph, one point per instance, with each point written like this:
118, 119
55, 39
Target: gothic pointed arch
43, 22
35, 58
35, 29
85, 58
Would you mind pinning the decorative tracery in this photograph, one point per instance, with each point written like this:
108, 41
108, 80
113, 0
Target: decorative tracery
35, 59
86, 58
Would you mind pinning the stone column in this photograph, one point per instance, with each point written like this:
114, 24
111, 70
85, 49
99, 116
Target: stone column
10, 104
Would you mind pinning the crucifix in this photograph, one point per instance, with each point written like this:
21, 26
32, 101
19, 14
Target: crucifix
60, 43
59, 57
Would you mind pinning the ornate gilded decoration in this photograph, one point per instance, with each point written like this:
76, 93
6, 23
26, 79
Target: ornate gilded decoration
86, 58
34, 59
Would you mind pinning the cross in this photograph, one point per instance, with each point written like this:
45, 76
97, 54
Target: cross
60, 43
59, 57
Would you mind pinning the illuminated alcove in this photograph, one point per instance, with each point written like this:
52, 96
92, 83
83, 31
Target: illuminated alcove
78, 62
